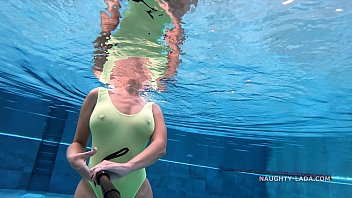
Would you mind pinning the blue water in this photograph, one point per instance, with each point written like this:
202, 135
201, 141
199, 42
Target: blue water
263, 86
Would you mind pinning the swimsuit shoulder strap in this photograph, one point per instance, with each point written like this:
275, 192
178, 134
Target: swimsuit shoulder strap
102, 91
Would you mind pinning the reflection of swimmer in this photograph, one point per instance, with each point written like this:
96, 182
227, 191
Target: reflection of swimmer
140, 35
121, 123
108, 24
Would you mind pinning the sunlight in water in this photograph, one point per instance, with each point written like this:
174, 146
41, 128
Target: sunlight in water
287, 2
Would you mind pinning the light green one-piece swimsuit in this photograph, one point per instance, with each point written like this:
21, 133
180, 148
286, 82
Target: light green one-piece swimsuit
112, 131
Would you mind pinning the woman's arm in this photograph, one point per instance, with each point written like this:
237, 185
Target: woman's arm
108, 24
75, 153
174, 36
157, 146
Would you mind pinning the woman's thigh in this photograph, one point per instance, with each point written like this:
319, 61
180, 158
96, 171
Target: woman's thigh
145, 191
84, 190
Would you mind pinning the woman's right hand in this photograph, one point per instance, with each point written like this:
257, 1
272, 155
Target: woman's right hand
79, 163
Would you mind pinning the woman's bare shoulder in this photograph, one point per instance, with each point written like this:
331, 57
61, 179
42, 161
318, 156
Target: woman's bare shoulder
92, 96
94, 91
156, 108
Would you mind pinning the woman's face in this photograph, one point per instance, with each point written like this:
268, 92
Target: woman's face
130, 69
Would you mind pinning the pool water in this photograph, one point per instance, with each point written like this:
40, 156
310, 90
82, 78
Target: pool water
263, 89
24, 194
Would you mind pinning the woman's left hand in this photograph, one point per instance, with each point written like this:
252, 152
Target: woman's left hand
115, 170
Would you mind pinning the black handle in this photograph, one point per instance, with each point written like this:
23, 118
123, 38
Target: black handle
107, 187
